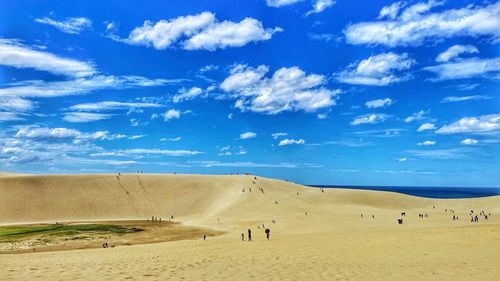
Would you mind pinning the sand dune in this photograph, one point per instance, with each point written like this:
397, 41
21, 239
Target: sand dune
331, 242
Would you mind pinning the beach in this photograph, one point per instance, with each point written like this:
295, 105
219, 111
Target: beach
315, 234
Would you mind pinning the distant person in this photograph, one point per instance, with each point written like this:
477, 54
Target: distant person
267, 231
205, 237
242, 236
249, 235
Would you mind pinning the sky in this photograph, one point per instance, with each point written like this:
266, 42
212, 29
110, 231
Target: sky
315, 91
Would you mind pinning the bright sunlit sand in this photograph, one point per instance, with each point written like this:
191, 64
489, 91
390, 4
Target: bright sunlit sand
329, 234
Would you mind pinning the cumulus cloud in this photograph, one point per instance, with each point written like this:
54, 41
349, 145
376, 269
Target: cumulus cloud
68, 25
471, 125
199, 32
391, 11
421, 115
248, 135
172, 114
378, 103
187, 94
378, 70
278, 135
85, 117
465, 68
469, 141
426, 127
455, 51
15, 54
464, 98
289, 89
426, 143
415, 25
322, 116
369, 119
320, 5
290, 142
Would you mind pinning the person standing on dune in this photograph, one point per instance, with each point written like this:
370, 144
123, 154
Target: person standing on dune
249, 235
267, 231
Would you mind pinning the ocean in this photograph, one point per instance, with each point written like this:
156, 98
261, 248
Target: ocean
428, 192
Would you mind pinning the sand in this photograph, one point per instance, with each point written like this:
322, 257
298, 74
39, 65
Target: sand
331, 242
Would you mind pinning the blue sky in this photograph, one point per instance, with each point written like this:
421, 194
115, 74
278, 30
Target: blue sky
318, 92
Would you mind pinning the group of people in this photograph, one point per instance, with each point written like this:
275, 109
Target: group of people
424, 215
155, 219
475, 218
267, 231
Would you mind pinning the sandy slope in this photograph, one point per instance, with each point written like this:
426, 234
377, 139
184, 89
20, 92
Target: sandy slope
332, 242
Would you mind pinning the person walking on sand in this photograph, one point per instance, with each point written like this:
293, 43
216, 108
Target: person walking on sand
242, 236
249, 235
267, 231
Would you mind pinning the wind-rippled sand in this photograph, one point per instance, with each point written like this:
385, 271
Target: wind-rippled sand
331, 242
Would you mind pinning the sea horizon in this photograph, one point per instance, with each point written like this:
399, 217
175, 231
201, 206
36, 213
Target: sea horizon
438, 192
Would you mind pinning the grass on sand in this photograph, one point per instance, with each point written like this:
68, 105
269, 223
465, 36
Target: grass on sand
14, 233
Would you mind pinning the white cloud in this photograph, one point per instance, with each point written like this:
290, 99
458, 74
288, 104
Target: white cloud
134, 137
230, 34
415, 25
471, 125
455, 51
320, 5
166, 152
369, 119
31, 132
199, 32
426, 143
15, 54
404, 159
248, 135
289, 89
278, 135
69, 25
327, 37
469, 141
465, 68
280, 3
171, 139
290, 142
421, 115
378, 103
426, 127
84, 117
464, 98
79, 86
209, 67
15, 104
172, 114
229, 150
230, 116
185, 94
112, 105
10, 116
391, 11
322, 116
452, 153
378, 70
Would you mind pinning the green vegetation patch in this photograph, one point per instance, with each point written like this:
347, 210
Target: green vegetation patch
14, 233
